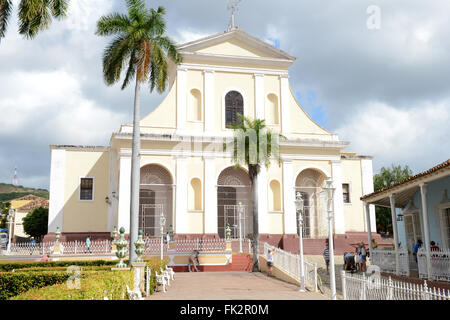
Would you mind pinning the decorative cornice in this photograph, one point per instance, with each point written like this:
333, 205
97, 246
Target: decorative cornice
80, 148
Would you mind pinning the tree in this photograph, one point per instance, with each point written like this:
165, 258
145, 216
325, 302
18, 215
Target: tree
387, 177
254, 145
34, 15
4, 211
35, 223
140, 44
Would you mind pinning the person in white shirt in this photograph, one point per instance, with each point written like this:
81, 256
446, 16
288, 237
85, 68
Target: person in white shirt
270, 254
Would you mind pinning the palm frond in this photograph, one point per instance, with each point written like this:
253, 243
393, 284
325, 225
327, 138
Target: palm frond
112, 24
116, 55
5, 13
131, 71
59, 8
34, 16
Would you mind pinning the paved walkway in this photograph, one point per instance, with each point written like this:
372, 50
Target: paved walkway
231, 286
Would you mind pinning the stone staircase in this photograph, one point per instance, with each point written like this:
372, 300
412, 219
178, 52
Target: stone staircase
242, 262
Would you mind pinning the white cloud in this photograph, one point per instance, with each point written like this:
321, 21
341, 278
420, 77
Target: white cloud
188, 35
417, 136
56, 99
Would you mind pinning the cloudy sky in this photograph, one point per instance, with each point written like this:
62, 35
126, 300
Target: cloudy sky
383, 85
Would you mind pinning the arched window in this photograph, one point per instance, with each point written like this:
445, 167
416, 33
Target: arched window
234, 105
195, 105
275, 198
195, 198
272, 109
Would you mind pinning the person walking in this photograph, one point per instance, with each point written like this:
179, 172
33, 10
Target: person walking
147, 240
363, 253
32, 245
167, 237
326, 254
88, 244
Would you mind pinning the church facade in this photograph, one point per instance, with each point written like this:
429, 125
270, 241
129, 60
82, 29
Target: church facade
186, 174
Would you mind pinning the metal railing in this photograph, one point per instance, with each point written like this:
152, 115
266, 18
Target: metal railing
80, 247
385, 260
361, 287
202, 245
290, 263
439, 264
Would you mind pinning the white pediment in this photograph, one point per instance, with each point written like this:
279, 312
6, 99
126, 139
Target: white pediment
235, 44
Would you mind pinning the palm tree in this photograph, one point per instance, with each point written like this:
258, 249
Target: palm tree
254, 145
141, 45
34, 15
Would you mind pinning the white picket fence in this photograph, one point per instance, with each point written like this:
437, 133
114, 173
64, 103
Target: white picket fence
374, 287
290, 263
385, 260
439, 263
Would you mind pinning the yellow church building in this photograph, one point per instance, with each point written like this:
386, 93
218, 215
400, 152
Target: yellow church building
187, 175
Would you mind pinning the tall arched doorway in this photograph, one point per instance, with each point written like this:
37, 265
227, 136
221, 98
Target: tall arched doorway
309, 183
155, 197
234, 187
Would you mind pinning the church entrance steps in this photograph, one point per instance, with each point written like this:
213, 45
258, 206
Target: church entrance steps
242, 262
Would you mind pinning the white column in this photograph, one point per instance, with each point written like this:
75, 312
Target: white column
262, 203
124, 193
394, 228
367, 188
290, 223
181, 99
209, 101
182, 196
259, 96
369, 225
285, 106
338, 199
210, 197
426, 228
57, 179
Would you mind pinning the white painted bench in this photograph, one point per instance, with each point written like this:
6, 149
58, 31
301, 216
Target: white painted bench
171, 273
161, 280
132, 295
167, 274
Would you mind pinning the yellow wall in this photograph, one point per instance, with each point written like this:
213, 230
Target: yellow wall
354, 212
225, 82
195, 217
300, 121
165, 115
86, 216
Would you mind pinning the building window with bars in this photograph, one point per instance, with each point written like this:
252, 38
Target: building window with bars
87, 189
346, 192
234, 105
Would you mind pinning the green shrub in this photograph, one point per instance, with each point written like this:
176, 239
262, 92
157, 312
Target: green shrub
14, 283
20, 265
95, 285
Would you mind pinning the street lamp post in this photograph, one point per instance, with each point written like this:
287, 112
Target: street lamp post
162, 222
330, 193
10, 221
299, 205
240, 211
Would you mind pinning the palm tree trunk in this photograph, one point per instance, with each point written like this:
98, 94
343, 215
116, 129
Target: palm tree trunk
135, 175
254, 178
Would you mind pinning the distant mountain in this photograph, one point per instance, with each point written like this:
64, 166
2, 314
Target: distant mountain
10, 192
